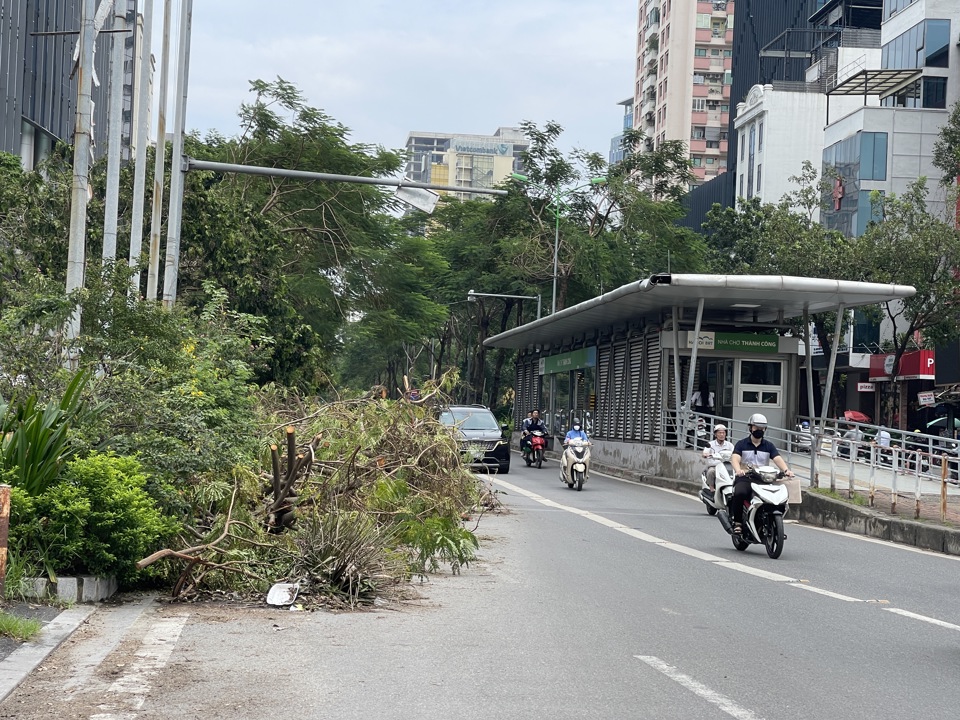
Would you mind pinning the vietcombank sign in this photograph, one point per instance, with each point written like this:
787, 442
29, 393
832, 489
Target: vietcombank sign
574, 360
736, 342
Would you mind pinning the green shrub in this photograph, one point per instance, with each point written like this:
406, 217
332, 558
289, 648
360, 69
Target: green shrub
97, 519
36, 437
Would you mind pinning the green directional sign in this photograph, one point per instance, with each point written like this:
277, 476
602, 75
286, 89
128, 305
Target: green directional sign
573, 360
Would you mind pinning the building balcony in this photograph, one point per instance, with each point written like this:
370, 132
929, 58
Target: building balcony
701, 91
698, 145
703, 63
698, 117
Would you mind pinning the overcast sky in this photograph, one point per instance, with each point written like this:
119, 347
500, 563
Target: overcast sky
384, 68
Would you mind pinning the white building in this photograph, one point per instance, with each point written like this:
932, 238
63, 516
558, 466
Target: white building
467, 161
779, 127
886, 148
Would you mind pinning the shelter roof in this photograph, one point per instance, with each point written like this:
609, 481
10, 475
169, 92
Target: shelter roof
750, 299
875, 82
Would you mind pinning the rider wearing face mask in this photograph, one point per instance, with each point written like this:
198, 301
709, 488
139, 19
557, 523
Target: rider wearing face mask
756, 451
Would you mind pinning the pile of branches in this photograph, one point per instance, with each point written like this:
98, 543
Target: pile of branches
375, 496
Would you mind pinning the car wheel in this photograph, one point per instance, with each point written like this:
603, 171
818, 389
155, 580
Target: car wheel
504, 469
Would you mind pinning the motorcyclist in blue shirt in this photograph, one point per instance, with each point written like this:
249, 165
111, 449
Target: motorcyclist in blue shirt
575, 431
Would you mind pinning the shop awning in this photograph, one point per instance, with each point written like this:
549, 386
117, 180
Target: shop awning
743, 299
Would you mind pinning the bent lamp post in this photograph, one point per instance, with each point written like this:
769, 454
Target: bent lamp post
555, 195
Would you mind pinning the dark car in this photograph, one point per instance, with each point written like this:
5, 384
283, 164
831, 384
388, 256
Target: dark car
482, 441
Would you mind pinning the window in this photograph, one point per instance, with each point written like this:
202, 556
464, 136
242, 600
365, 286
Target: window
715, 144
873, 156
723, 135
727, 53
698, 79
710, 161
700, 52
761, 382
926, 44
935, 92
759, 176
703, 20
728, 78
715, 52
741, 185
697, 161
699, 132
936, 44
743, 146
699, 104
760, 137
725, 108
760, 372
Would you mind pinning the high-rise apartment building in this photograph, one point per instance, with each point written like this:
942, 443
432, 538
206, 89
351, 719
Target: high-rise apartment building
683, 78
467, 161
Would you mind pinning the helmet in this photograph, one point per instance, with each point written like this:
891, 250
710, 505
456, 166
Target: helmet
718, 427
757, 419
576, 421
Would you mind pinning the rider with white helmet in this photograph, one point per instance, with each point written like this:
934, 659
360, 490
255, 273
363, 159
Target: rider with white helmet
753, 450
712, 452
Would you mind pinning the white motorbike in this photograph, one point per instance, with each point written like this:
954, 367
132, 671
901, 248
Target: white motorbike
763, 517
713, 499
575, 463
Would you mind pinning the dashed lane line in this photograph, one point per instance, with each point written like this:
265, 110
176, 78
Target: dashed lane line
712, 559
699, 689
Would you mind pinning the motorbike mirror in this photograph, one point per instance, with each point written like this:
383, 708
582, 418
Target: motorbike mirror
504, 429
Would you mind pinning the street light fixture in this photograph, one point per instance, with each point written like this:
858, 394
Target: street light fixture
472, 297
555, 195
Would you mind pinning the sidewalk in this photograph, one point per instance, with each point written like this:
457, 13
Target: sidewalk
18, 660
921, 503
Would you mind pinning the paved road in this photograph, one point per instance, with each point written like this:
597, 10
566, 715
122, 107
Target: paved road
619, 601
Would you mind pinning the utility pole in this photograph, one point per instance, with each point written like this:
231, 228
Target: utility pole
115, 138
178, 168
156, 221
76, 253
143, 130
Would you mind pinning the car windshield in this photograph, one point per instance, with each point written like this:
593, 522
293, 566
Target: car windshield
470, 419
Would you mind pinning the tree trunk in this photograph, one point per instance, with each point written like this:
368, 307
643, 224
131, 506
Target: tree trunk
501, 355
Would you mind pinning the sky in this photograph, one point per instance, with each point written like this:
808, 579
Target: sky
384, 68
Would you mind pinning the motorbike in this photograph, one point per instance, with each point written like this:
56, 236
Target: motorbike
763, 517
711, 499
535, 449
575, 463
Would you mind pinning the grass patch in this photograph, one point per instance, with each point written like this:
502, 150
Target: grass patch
18, 628
857, 499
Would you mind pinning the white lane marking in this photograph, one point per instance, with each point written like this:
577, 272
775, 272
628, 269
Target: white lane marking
924, 618
841, 533
120, 621
132, 686
697, 688
828, 593
756, 572
714, 560
699, 554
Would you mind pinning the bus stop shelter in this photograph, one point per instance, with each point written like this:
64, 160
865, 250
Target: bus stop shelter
624, 359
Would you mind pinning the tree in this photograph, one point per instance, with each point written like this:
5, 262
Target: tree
946, 149
912, 246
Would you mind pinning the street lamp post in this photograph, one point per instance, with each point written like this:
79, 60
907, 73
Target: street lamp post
555, 195
472, 297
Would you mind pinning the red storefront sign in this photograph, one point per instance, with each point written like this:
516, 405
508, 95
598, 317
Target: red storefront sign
916, 365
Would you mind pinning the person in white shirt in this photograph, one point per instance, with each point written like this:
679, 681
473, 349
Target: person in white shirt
712, 452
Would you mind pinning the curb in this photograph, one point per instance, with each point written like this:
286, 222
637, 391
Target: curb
15, 668
823, 511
